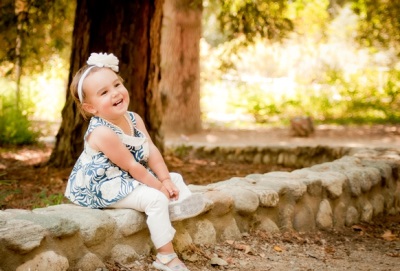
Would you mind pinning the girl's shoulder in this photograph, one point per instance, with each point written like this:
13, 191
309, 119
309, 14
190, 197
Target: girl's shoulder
96, 122
133, 116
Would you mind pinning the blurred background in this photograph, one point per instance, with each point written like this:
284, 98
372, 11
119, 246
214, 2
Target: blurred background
261, 63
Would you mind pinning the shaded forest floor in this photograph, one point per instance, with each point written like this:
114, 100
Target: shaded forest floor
26, 181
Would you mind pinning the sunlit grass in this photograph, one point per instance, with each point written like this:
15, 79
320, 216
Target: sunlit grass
325, 75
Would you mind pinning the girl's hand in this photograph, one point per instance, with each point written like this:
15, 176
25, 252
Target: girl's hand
164, 190
171, 188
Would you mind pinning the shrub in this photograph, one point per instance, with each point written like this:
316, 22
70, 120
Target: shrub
15, 126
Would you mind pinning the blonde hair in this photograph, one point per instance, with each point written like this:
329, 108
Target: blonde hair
74, 87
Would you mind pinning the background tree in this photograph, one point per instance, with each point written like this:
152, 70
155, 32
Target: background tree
244, 21
31, 32
131, 30
180, 66
379, 23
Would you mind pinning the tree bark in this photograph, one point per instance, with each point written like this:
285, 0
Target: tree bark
180, 66
131, 30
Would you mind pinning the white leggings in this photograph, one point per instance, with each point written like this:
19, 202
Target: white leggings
155, 204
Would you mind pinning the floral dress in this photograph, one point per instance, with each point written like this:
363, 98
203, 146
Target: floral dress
95, 181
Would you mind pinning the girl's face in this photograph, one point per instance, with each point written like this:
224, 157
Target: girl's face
106, 96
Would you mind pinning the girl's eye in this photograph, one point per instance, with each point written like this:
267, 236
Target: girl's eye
104, 93
117, 84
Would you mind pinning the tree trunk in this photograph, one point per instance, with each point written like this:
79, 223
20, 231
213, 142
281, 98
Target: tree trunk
131, 30
180, 66
21, 15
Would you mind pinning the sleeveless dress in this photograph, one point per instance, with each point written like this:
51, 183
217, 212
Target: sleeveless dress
95, 181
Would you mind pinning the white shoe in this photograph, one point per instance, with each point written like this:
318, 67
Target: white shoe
164, 259
188, 207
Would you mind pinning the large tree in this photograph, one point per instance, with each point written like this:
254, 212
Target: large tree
180, 47
180, 65
130, 30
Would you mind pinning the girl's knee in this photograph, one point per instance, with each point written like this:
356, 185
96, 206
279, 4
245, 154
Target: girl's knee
175, 176
160, 199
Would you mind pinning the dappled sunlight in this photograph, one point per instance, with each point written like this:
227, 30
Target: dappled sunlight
48, 90
325, 135
303, 75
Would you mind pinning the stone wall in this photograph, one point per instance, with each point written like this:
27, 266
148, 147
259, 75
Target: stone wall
287, 156
325, 195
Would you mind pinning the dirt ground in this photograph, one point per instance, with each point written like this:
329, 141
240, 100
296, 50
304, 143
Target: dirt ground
26, 183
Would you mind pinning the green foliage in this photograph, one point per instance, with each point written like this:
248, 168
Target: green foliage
379, 22
347, 99
239, 23
264, 106
253, 19
15, 126
41, 28
309, 17
8, 193
46, 198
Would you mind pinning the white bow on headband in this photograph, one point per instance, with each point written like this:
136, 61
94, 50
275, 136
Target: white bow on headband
98, 60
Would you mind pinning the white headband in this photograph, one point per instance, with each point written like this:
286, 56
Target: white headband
97, 60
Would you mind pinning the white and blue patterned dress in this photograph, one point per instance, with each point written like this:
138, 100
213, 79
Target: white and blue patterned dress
95, 181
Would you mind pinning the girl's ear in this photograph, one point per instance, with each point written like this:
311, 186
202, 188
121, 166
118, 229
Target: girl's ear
89, 108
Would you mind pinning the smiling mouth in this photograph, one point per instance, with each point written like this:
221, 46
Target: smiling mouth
118, 102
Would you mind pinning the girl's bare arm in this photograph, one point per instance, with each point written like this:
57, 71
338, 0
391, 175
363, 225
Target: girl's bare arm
107, 141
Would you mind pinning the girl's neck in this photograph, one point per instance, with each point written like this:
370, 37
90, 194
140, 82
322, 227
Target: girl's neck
124, 123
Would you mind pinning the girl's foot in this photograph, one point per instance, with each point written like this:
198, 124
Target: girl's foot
169, 262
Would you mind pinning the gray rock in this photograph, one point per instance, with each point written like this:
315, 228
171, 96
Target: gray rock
222, 203
89, 262
48, 260
215, 261
268, 225
230, 231
339, 215
95, 225
384, 169
324, 218
128, 221
304, 219
367, 211
202, 232
124, 254
286, 216
378, 204
332, 181
352, 216
57, 226
21, 236
285, 184
245, 201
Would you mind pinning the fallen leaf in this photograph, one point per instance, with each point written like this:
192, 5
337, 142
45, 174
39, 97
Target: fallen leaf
278, 248
397, 255
389, 236
245, 248
330, 249
215, 261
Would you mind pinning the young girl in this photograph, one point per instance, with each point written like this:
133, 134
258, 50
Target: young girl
120, 167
